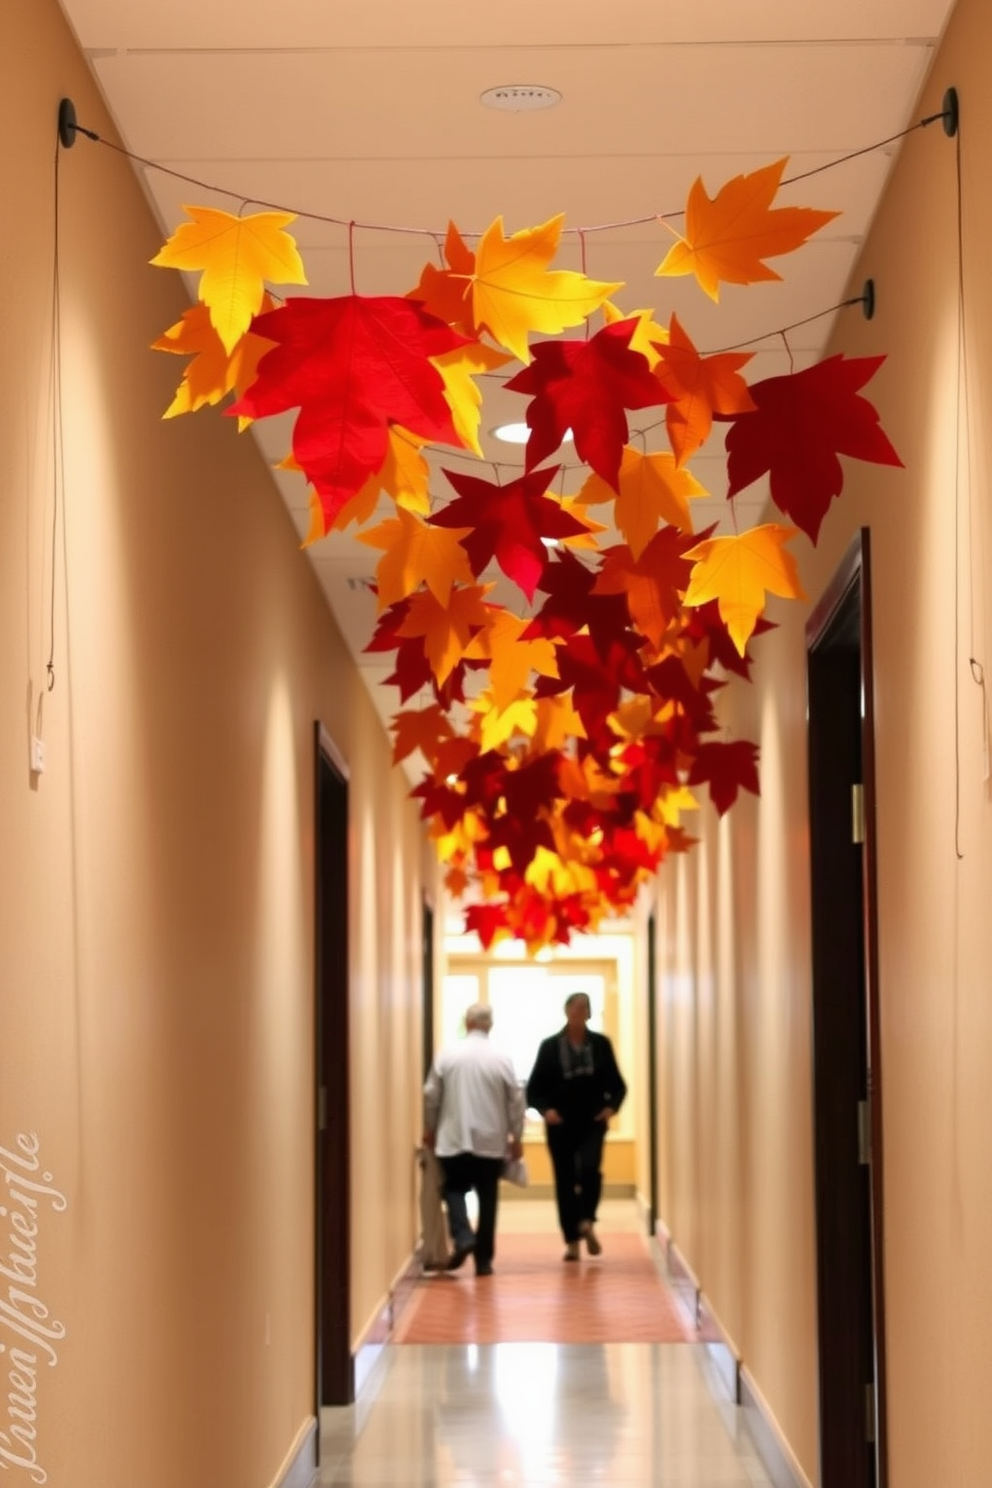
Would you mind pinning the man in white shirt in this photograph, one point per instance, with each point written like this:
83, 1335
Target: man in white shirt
473, 1119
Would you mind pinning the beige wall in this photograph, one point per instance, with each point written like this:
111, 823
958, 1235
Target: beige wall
156, 923
735, 945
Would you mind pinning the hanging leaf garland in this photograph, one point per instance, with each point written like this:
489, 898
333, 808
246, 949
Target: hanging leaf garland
560, 747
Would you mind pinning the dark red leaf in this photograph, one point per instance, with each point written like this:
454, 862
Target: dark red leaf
800, 425
587, 386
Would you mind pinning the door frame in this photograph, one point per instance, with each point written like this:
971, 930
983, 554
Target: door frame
334, 1364
840, 679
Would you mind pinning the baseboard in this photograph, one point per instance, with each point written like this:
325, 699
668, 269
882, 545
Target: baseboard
771, 1446
721, 1350
300, 1466
372, 1341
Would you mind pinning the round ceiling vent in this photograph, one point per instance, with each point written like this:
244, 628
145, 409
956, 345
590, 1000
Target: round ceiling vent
516, 97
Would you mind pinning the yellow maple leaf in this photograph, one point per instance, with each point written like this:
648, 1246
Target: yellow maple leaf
511, 660
514, 292
738, 572
653, 489
415, 554
404, 476
237, 257
498, 725
648, 334
457, 369
728, 236
550, 874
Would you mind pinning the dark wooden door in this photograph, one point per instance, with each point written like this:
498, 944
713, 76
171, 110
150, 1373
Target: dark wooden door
653, 1194
846, 1063
427, 985
335, 1371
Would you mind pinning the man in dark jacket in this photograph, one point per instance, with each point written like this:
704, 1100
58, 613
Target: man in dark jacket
577, 1087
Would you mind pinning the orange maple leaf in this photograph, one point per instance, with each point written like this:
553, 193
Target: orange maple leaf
447, 292
415, 554
738, 571
652, 489
424, 729
701, 386
237, 257
446, 630
212, 372
727, 237
653, 583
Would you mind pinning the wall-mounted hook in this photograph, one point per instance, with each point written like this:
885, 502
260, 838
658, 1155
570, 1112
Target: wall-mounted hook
950, 114
868, 299
67, 123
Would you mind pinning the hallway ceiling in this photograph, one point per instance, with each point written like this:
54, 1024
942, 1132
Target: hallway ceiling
369, 110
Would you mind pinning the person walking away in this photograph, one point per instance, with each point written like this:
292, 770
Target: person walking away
577, 1087
473, 1119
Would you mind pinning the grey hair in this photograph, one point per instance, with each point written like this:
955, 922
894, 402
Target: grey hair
479, 1015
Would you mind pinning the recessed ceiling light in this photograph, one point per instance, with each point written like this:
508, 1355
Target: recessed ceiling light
515, 98
520, 433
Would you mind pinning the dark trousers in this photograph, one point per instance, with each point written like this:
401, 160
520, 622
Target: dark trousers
462, 1173
576, 1154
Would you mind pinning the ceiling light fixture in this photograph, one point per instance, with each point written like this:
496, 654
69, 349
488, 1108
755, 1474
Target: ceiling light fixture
520, 433
515, 98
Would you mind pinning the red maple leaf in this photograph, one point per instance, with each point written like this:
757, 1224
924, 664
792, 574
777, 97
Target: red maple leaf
705, 623
596, 680
726, 768
800, 425
507, 523
486, 920
587, 386
352, 366
574, 602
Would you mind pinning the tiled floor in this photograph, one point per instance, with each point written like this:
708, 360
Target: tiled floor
541, 1414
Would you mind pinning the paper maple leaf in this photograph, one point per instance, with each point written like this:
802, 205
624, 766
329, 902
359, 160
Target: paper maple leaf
800, 425
212, 372
514, 292
508, 523
653, 583
511, 658
700, 386
586, 386
572, 605
238, 256
352, 366
447, 292
405, 476
648, 335
726, 768
417, 553
457, 369
727, 237
738, 572
445, 630
652, 489
424, 729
